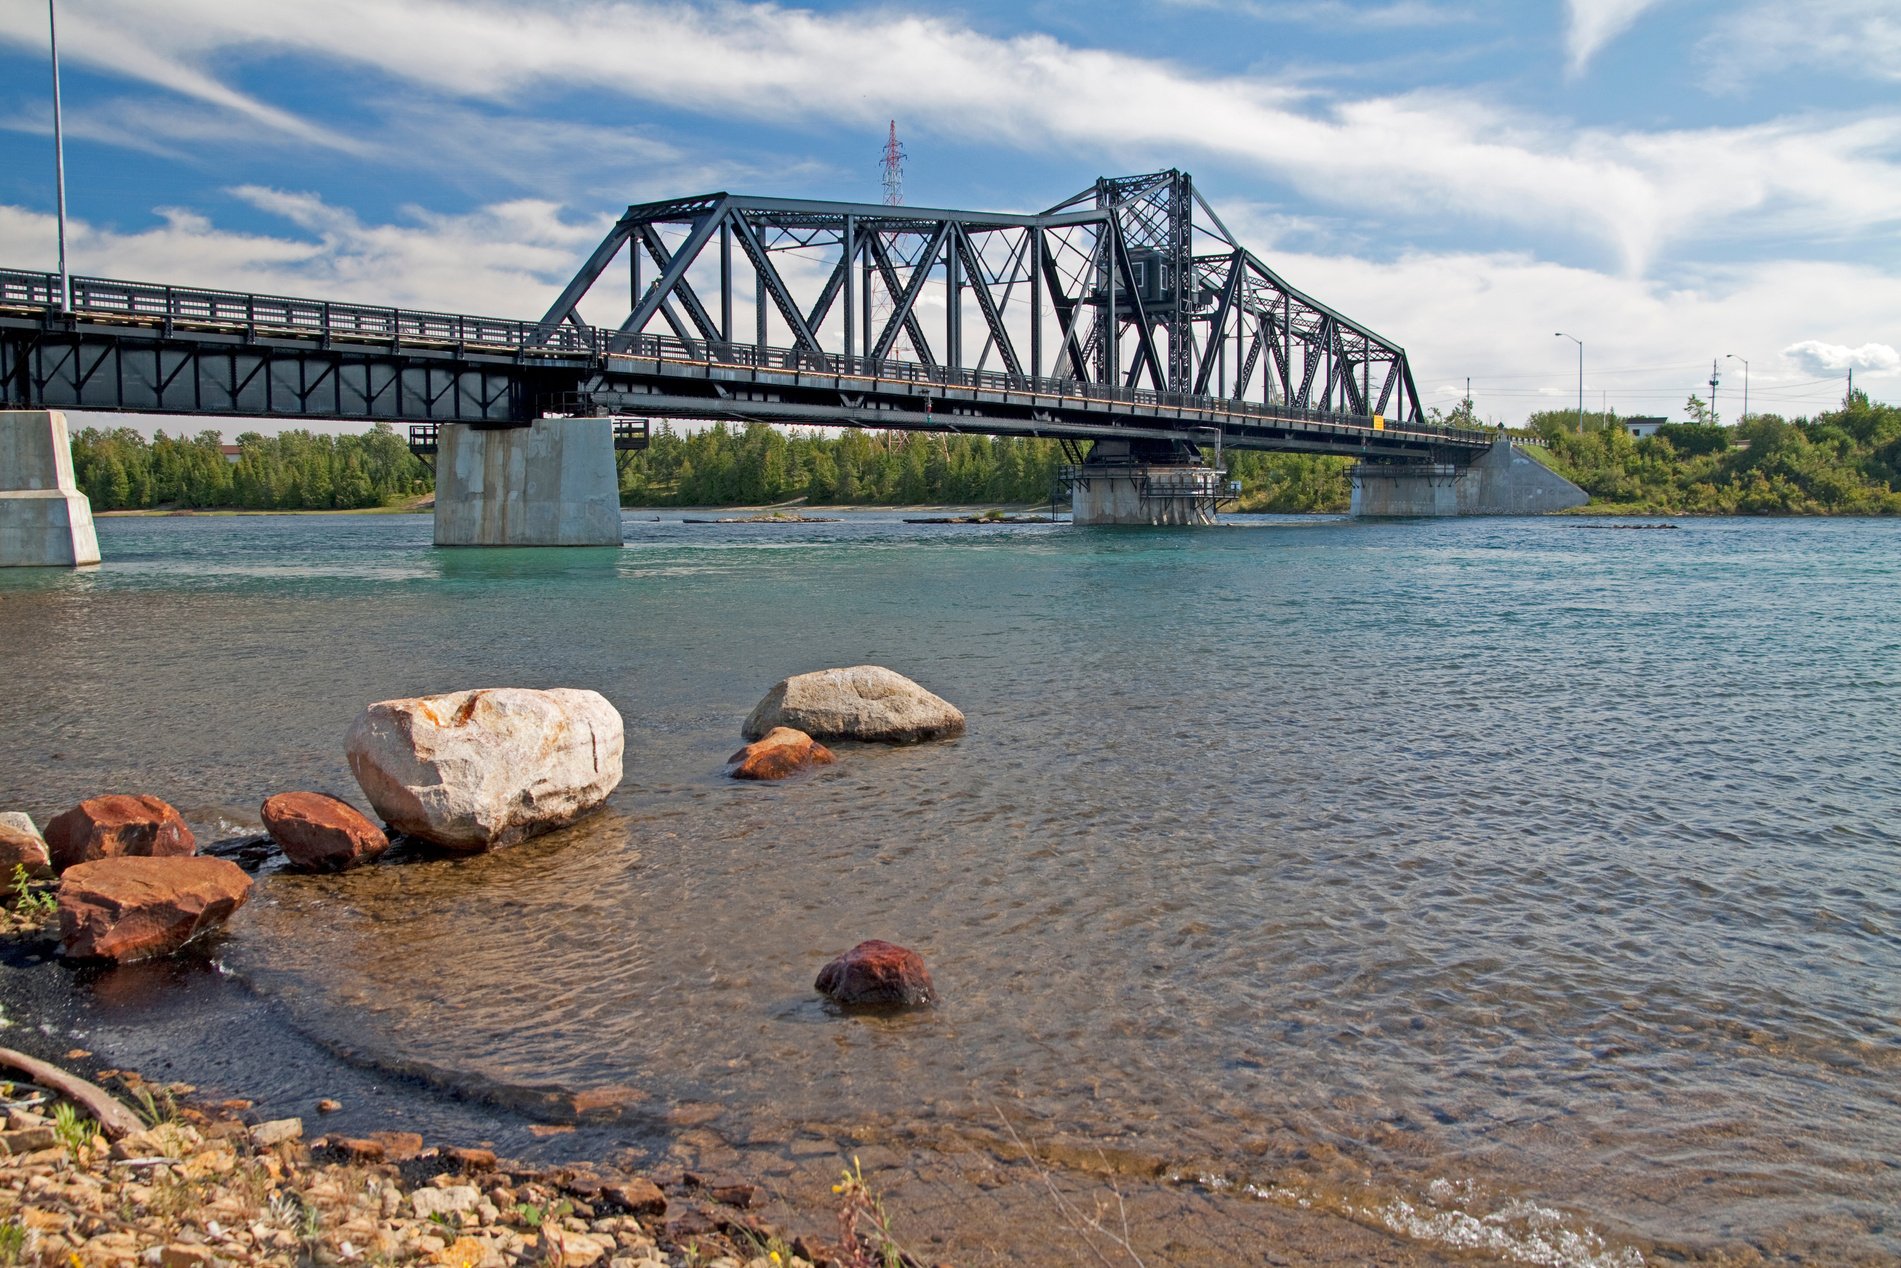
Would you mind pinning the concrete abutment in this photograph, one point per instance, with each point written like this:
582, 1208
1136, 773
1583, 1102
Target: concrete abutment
551, 483
1504, 480
45, 521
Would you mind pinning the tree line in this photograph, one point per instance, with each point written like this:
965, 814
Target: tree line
120, 470
1845, 461
758, 465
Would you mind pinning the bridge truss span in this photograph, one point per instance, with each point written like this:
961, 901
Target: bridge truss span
1133, 284
1127, 312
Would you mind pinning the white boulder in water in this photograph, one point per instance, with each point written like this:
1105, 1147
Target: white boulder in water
475, 770
864, 702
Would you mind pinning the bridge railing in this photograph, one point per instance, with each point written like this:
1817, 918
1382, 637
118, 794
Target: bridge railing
801, 360
196, 306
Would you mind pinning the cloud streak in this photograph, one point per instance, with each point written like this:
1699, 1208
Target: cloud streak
1595, 23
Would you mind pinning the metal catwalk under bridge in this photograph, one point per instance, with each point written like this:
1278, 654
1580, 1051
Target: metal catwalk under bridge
1127, 312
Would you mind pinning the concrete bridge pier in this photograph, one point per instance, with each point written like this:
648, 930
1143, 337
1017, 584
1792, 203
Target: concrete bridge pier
1143, 482
45, 521
551, 483
1504, 480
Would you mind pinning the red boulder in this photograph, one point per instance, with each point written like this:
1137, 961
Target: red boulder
117, 826
140, 908
782, 751
321, 834
876, 972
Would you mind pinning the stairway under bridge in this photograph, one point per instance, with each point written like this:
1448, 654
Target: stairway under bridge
1127, 316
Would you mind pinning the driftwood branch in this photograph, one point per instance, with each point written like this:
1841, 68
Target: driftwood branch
114, 1119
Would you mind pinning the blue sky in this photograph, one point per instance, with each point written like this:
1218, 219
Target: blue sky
1670, 180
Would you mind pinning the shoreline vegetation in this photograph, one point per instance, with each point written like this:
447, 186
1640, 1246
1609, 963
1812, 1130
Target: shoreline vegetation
1841, 462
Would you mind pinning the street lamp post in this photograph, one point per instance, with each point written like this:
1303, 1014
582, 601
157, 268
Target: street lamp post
1580, 343
1745, 360
59, 160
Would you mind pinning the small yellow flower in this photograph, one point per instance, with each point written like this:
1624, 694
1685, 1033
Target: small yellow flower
838, 1188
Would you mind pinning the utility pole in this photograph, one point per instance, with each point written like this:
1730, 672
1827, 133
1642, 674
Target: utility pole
59, 159
1745, 360
1580, 343
1713, 415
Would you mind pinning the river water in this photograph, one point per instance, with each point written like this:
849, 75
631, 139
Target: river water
1520, 887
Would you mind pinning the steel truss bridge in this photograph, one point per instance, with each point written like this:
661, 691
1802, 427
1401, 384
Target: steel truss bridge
1126, 312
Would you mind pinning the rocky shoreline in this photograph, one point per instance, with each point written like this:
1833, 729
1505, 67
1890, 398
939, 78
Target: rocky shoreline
148, 1173
204, 1180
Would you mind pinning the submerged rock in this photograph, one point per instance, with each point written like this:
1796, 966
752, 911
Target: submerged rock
476, 770
117, 826
783, 752
21, 845
140, 908
864, 702
320, 833
878, 972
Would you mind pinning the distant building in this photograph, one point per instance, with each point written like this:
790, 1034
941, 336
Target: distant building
1641, 427
231, 452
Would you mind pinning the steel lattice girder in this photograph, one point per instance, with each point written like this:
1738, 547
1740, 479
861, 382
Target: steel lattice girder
1103, 289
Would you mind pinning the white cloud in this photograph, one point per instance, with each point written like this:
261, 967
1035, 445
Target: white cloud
1848, 38
1595, 23
1819, 358
1394, 15
507, 260
1429, 157
92, 37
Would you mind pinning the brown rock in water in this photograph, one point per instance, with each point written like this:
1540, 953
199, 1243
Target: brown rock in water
864, 702
878, 972
117, 826
355, 1148
399, 1146
781, 753
139, 908
469, 1160
635, 1196
21, 845
319, 833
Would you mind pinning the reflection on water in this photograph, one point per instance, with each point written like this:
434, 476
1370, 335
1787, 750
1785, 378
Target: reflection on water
1497, 884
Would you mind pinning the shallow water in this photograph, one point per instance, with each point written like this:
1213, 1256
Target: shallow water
1520, 886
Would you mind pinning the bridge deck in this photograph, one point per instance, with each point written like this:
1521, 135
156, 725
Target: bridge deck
142, 347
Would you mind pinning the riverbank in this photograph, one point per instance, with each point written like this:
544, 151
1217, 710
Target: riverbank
223, 1058
213, 1176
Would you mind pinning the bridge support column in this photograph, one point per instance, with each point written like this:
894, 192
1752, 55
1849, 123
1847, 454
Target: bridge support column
1130, 482
552, 483
1504, 480
45, 521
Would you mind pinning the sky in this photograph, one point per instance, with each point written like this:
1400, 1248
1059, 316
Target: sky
1672, 182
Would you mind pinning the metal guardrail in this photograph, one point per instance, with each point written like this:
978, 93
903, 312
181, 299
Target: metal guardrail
103, 299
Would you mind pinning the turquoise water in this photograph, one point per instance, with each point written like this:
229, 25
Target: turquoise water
1519, 885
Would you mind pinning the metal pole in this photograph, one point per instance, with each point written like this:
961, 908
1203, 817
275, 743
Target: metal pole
1580, 343
59, 160
1745, 360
